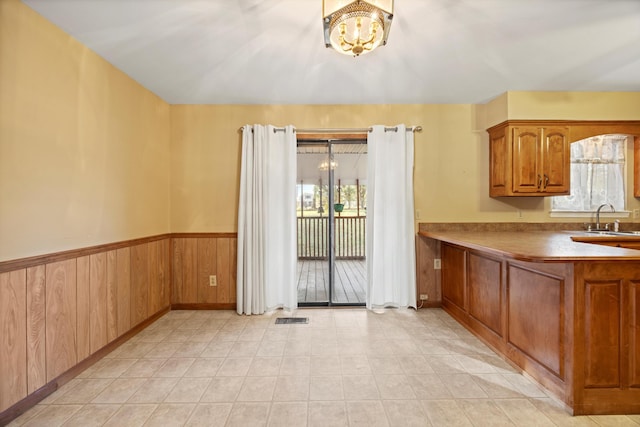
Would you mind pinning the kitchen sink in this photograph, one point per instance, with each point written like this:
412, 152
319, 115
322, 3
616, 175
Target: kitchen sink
613, 233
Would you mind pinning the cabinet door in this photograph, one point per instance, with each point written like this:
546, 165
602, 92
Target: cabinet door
499, 182
454, 276
556, 161
526, 154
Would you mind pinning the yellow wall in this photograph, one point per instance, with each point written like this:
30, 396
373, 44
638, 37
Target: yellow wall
451, 176
84, 150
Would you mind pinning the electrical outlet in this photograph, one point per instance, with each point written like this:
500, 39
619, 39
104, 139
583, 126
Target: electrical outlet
437, 264
636, 213
213, 281
424, 297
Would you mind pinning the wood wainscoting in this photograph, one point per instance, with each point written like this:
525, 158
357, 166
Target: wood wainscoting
197, 256
61, 312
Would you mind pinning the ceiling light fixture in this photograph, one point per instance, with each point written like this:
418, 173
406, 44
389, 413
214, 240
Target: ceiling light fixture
356, 27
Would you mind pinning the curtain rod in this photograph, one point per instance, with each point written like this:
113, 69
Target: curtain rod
348, 130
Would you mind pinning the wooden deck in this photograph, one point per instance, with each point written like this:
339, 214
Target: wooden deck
313, 281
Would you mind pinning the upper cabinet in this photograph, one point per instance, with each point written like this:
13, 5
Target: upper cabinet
529, 159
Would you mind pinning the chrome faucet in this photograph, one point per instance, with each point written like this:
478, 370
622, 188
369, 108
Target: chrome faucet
598, 214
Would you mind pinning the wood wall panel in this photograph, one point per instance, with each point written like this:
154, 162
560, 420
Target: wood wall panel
207, 265
634, 334
154, 284
485, 291
123, 261
540, 336
602, 332
112, 296
223, 268
61, 317
36, 328
83, 307
98, 300
13, 344
139, 283
184, 271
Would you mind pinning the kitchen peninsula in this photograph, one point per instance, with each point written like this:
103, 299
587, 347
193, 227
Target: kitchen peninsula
566, 312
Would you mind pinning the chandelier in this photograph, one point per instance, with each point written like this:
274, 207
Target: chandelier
356, 27
326, 164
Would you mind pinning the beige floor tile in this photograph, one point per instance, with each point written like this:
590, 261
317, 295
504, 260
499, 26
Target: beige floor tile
325, 365
292, 388
429, 386
92, 415
484, 412
405, 413
178, 335
445, 413
355, 365
112, 368
223, 389
204, 367
496, 386
297, 348
188, 390
360, 387
154, 390
174, 367
251, 335
404, 347
385, 365
143, 368
252, 414
328, 414
264, 367
26, 416
287, 414
217, 349
295, 365
163, 350
52, 415
234, 367
415, 365
613, 420
560, 417
271, 348
119, 391
366, 414
131, 415
244, 348
170, 414
523, 413
525, 385
190, 349
203, 335
257, 389
84, 391
326, 388
133, 350
395, 387
463, 386
444, 364
209, 415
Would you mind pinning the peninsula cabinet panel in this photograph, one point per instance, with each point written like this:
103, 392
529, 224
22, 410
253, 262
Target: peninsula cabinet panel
539, 336
454, 277
13, 330
60, 317
485, 291
36, 332
634, 334
602, 332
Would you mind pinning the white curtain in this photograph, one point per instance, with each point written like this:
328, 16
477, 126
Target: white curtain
391, 263
267, 220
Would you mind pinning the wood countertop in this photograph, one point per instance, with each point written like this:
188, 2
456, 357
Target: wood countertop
540, 246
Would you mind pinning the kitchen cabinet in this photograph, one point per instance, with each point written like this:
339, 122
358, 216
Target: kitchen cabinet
529, 159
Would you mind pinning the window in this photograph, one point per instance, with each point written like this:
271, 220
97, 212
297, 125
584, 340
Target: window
597, 175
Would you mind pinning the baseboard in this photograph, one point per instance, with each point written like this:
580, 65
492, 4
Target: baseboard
205, 306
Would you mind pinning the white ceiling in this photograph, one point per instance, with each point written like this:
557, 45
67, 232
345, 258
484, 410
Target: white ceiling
439, 51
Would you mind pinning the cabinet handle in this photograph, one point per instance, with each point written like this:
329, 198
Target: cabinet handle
546, 181
539, 182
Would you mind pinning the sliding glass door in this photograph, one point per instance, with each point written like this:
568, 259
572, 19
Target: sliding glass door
331, 222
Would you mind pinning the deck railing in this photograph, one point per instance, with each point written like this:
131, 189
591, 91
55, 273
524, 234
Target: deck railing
349, 237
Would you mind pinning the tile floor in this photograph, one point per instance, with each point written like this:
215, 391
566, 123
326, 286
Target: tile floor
347, 367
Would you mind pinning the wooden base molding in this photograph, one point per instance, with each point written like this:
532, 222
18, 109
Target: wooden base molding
34, 398
204, 306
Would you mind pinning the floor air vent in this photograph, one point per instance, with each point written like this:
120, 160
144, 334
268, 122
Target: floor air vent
291, 320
